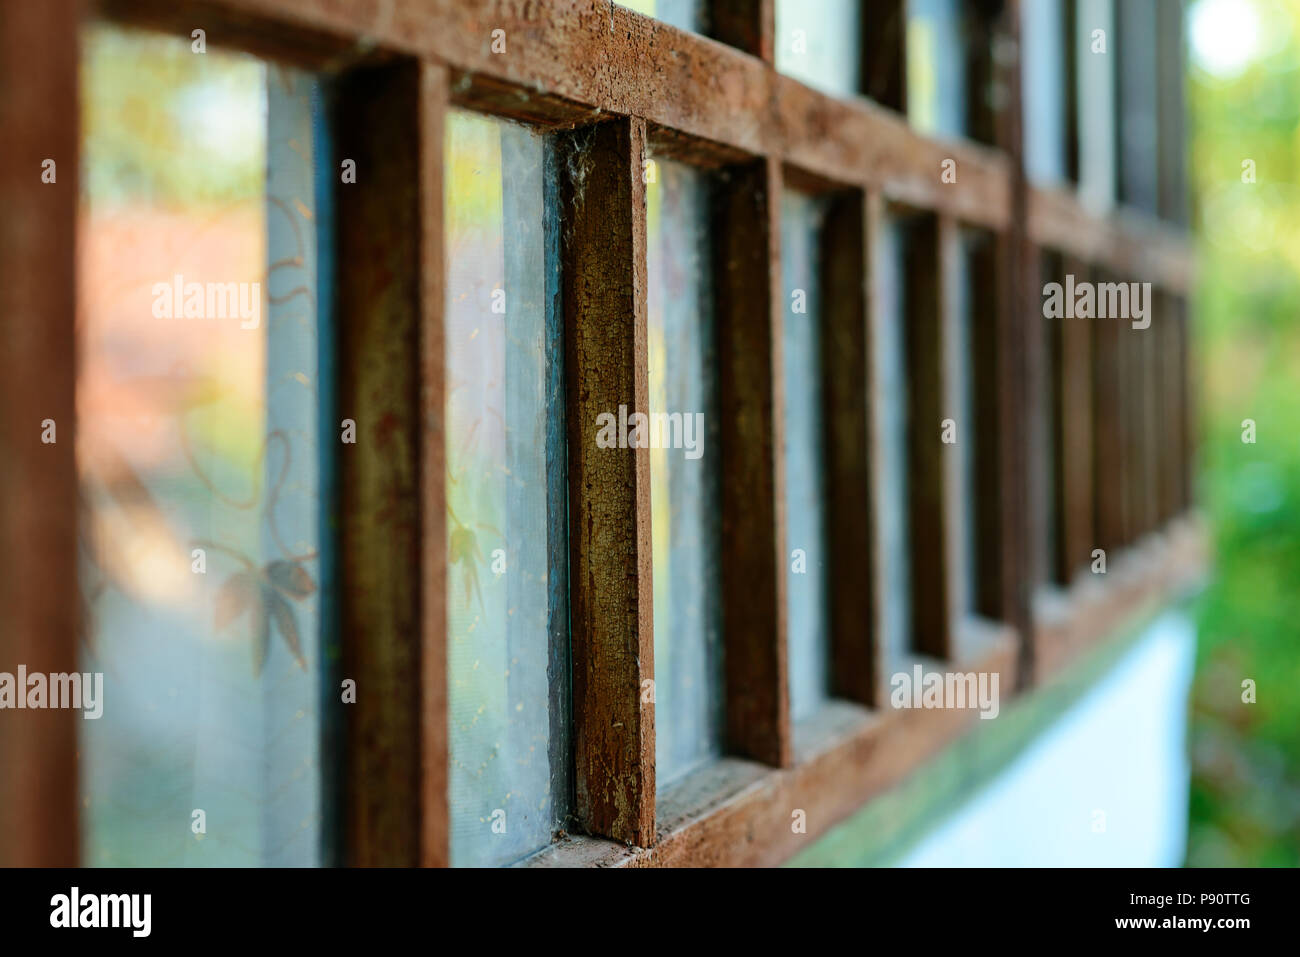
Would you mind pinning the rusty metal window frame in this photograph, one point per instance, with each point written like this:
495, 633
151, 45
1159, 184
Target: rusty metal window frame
399, 68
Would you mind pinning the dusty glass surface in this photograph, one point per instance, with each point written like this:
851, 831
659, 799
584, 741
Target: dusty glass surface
507, 631
818, 43
684, 482
206, 568
807, 566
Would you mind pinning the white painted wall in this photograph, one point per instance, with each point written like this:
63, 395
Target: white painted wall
1105, 785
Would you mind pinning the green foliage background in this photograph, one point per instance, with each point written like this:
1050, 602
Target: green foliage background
1245, 803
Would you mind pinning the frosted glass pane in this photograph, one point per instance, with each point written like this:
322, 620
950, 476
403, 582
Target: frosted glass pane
892, 419
1043, 84
684, 492
687, 14
206, 566
808, 639
936, 67
507, 631
819, 43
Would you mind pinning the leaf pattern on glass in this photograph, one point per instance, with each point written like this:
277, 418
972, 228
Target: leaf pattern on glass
465, 552
264, 592
205, 496
235, 597
291, 578
261, 637
501, 416
286, 623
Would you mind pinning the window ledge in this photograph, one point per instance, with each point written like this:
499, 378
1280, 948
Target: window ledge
738, 813
1138, 579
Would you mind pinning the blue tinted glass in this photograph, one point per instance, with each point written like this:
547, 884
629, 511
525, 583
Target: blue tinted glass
936, 67
684, 489
687, 14
807, 569
892, 419
507, 630
206, 561
818, 43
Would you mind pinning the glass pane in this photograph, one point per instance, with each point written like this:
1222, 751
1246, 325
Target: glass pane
1043, 84
1095, 96
892, 418
685, 497
687, 14
936, 67
206, 569
507, 623
1136, 98
807, 574
818, 43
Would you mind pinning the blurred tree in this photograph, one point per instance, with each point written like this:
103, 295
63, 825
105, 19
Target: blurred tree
1245, 111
